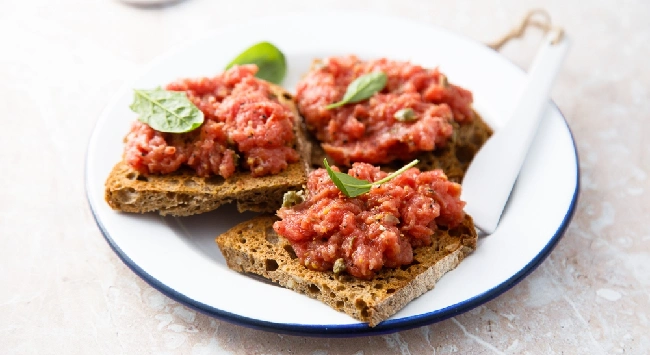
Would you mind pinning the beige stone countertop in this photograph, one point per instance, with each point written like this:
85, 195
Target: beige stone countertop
64, 291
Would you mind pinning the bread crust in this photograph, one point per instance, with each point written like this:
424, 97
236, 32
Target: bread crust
183, 193
254, 247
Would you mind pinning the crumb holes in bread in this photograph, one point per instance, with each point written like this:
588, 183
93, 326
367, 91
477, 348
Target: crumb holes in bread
289, 250
271, 265
287, 96
313, 289
364, 312
406, 267
379, 286
360, 304
340, 288
332, 295
190, 183
390, 290
243, 240
127, 196
339, 304
130, 176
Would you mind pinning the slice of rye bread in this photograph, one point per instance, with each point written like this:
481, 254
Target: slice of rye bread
254, 247
453, 159
182, 193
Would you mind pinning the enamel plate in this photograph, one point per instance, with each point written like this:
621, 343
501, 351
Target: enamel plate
179, 257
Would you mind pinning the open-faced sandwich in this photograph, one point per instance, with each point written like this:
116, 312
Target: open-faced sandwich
370, 241
367, 256
201, 143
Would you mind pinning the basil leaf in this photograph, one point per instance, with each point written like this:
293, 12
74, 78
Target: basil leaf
405, 115
268, 58
353, 187
362, 88
349, 185
166, 111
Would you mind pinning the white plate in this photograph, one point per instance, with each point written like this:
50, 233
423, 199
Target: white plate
178, 256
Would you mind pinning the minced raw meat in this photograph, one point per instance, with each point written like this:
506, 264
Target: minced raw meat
368, 131
242, 118
374, 230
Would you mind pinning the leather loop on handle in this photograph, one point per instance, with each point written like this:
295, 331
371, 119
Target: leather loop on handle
534, 18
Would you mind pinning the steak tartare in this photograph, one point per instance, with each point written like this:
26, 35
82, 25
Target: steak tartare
371, 131
361, 235
243, 119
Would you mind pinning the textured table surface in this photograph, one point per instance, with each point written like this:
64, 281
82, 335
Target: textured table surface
63, 291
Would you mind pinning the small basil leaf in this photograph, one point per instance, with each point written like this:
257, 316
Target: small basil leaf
166, 111
349, 185
268, 58
353, 187
405, 115
362, 88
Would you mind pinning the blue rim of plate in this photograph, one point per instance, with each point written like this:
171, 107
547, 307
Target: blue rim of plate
357, 329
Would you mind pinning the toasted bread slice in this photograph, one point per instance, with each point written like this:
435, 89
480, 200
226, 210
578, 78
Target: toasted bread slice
453, 159
182, 193
254, 247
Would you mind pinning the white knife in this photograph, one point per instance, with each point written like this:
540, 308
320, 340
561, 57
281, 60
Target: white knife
492, 173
